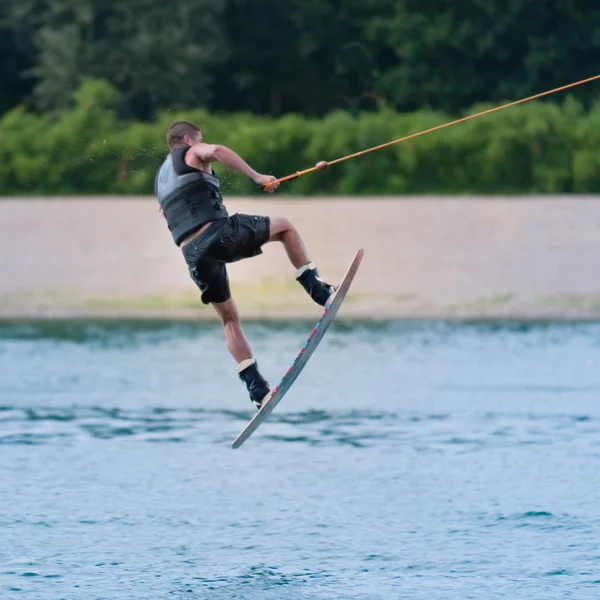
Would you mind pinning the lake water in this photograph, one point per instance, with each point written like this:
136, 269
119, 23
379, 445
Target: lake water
410, 460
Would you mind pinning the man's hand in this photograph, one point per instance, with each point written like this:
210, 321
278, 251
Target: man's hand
262, 180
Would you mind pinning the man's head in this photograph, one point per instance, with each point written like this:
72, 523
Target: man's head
183, 133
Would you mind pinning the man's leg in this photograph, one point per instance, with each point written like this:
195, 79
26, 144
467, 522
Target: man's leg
236, 340
238, 345
248, 233
283, 231
307, 274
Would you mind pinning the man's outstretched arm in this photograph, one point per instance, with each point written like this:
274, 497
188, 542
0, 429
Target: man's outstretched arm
216, 153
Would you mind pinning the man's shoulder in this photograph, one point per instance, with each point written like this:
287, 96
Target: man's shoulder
191, 160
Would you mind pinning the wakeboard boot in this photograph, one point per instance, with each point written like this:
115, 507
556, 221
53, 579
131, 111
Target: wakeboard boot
308, 277
257, 386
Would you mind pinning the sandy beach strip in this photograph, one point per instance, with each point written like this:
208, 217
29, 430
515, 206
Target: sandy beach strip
425, 257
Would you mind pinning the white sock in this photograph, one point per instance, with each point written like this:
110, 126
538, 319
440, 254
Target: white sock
245, 364
309, 266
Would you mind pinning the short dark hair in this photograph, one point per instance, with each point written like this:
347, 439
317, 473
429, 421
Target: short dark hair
179, 130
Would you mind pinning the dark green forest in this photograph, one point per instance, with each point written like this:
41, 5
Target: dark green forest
294, 69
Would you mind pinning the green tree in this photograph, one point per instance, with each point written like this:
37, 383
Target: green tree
450, 54
14, 63
156, 54
295, 56
274, 57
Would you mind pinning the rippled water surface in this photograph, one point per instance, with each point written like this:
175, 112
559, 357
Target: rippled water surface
421, 460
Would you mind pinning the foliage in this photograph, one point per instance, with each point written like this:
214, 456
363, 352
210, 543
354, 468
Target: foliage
534, 148
156, 54
309, 57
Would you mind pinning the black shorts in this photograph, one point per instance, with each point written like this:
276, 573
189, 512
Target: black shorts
225, 241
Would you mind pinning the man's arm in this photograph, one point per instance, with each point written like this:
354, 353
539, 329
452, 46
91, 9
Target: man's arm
216, 153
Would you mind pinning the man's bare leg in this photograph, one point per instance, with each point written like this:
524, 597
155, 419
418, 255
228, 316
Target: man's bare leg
237, 342
239, 347
283, 231
307, 274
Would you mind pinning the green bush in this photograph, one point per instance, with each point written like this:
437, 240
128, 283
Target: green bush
534, 148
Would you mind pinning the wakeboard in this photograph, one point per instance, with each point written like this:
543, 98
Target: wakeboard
305, 353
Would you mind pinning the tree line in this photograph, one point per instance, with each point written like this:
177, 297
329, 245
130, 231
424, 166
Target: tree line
313, 57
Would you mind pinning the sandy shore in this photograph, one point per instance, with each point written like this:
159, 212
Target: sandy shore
425, 257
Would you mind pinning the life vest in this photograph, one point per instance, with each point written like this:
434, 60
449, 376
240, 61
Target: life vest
189, 198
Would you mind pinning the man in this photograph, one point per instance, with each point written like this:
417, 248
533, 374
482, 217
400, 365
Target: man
188, 191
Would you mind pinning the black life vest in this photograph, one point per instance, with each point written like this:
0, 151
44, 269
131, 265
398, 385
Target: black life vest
189, 198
